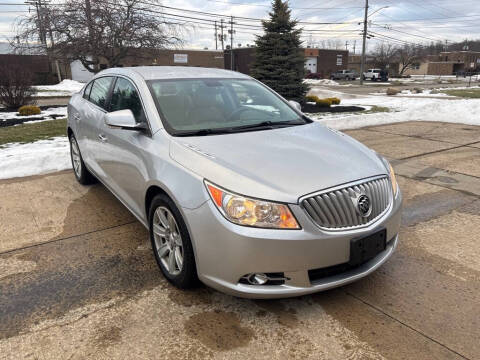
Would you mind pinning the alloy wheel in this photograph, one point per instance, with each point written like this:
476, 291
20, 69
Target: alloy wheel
168, 241
77, 163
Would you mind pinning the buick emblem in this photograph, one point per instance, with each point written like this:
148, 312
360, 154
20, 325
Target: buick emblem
362, 204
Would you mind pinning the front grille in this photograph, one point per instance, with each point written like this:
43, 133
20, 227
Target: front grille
336, 209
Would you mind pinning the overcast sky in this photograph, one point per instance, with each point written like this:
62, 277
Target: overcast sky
401, 21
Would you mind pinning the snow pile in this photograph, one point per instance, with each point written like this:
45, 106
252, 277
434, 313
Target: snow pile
61, 111
320, 82
39, 157
65, 88
464, 111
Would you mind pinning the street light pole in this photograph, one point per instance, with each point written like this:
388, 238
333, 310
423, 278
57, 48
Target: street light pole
362, 63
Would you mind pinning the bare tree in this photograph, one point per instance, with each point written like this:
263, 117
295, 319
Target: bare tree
92, 31
409, 56
384, 54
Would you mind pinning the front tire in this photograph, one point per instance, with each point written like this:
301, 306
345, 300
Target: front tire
171, 243
81, 172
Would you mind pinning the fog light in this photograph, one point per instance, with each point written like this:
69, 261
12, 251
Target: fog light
258, 279
277, 278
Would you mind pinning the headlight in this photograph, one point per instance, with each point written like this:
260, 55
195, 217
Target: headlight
393, 180
251, 212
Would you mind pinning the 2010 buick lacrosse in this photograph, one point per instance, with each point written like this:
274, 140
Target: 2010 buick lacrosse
237, 187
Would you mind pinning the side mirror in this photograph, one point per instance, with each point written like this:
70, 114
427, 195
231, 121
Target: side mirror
123, 119
296, 105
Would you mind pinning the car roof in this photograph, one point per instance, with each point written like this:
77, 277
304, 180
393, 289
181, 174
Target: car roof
174, 72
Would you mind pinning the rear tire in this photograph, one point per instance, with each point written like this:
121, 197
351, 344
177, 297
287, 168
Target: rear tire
81, 172
171, 243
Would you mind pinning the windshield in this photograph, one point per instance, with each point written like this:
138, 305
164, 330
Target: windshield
190, 106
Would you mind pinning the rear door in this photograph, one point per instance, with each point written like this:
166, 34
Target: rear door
123, 159
94, 111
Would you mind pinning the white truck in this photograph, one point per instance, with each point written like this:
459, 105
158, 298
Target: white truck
375, 75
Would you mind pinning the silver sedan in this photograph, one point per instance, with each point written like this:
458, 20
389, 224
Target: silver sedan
237, 187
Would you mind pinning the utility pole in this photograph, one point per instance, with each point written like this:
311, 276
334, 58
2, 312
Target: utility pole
216, 36
231, 31
446, 45
221, 33
354, 46
346, 45
40, 22
365, 24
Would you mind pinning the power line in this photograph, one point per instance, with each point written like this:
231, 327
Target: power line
292, 8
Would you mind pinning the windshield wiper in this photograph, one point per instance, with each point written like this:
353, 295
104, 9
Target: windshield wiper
269, 125
264, 125
203, 132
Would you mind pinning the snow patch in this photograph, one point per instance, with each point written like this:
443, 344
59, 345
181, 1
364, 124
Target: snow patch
39, 157
464, 111
65, 88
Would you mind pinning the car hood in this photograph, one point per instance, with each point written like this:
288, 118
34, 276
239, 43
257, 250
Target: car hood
281, 164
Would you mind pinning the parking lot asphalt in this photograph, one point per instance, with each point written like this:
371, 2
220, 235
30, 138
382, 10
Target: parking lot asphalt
78, 278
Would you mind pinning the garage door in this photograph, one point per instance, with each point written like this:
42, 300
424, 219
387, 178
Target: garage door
311, 64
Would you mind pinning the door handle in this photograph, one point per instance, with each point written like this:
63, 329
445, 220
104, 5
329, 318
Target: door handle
102, 137
76, 117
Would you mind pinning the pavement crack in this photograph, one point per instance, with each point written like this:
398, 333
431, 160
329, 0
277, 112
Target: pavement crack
66, 238
437, 151
406, 325
421, 137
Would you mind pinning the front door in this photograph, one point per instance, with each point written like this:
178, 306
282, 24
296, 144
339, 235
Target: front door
123, 156
94, 111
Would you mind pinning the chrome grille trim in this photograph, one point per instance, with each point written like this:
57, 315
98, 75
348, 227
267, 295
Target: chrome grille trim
332, 209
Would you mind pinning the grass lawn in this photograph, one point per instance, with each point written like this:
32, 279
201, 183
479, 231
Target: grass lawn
32, 132
465, 93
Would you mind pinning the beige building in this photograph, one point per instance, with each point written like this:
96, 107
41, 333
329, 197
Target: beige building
448, 63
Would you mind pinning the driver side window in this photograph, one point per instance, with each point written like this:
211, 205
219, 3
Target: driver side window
125, 96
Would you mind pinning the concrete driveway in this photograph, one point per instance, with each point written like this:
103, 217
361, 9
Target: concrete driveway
78, 278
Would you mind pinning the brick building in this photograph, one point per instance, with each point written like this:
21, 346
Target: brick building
43, 71
325, 61
165, 57
322, 61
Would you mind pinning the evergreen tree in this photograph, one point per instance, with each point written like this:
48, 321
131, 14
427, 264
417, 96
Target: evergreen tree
280, 61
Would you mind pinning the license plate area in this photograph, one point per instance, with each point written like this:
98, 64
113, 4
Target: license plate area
366, 248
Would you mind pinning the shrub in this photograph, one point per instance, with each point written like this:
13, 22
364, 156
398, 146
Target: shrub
323, 102
417, 90
392, 91
311, 98
15, 86
26, 110
334, 100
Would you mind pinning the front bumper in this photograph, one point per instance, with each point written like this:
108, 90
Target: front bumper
225, 252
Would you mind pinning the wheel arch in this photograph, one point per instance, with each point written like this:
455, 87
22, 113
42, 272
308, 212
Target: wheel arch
154, 190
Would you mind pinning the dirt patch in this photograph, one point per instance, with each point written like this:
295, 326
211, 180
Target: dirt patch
285, 316
218, 330
188, 298
108, 336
